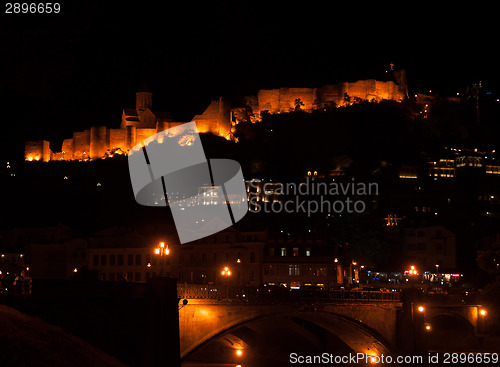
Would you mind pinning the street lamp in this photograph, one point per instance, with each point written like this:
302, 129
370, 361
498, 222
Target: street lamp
162, 250
226, 273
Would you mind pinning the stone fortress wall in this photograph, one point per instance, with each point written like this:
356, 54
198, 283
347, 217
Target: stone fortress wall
218, 118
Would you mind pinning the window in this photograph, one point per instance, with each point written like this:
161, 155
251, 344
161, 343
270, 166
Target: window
268, 270
112, 276
252, 257
112, 260
95, 261
308, 251
130, 259
103, 260
138, 259
137, 276
120, 259
283, 251
295, 251
293, 270
129, 276
251, 275
271, 251
321, 272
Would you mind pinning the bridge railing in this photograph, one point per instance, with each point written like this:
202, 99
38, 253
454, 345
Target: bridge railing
366, 296
204, 291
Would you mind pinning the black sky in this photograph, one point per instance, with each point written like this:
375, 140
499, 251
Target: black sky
65, 72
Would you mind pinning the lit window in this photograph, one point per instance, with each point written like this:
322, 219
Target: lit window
283, 251
293, 270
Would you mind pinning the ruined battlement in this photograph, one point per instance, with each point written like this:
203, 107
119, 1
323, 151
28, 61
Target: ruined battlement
136, 125
219, 118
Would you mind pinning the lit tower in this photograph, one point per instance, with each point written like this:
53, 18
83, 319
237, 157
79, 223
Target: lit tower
143, 98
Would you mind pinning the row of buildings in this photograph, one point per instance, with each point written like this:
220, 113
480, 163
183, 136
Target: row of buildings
252, 258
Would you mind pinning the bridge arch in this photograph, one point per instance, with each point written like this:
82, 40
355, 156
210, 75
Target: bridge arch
356, 335
450, 330
450, 321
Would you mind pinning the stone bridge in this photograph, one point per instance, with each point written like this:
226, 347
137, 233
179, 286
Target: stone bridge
366, 327
201, 321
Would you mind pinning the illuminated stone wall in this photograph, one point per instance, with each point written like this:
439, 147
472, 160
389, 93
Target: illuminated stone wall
288, 99
141, 123
37, 151
118, 139
81, 144
98, 141
215, 119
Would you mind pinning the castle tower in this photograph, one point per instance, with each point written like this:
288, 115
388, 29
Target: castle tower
400, 78
143, 98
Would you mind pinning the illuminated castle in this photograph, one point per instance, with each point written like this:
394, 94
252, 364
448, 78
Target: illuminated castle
136, 125
336, 95
218, 118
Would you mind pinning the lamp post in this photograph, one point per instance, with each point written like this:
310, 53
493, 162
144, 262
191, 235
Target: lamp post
163, 251
226, 273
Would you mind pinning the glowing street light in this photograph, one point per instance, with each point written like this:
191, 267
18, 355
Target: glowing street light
162, 250
412, 271
421, 308
239, 352
226, 273
483, 312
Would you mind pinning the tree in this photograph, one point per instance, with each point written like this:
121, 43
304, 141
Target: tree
298, 104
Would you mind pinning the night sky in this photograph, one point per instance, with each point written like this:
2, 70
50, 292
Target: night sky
65, 72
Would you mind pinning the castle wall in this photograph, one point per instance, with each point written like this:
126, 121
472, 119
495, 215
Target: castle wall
283, 99
215, 119
165, 125
288, 96
67, 148
118, 139
98, 139
37, 151
144, 134
81, 144
131, 137
141, 123
268, 100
